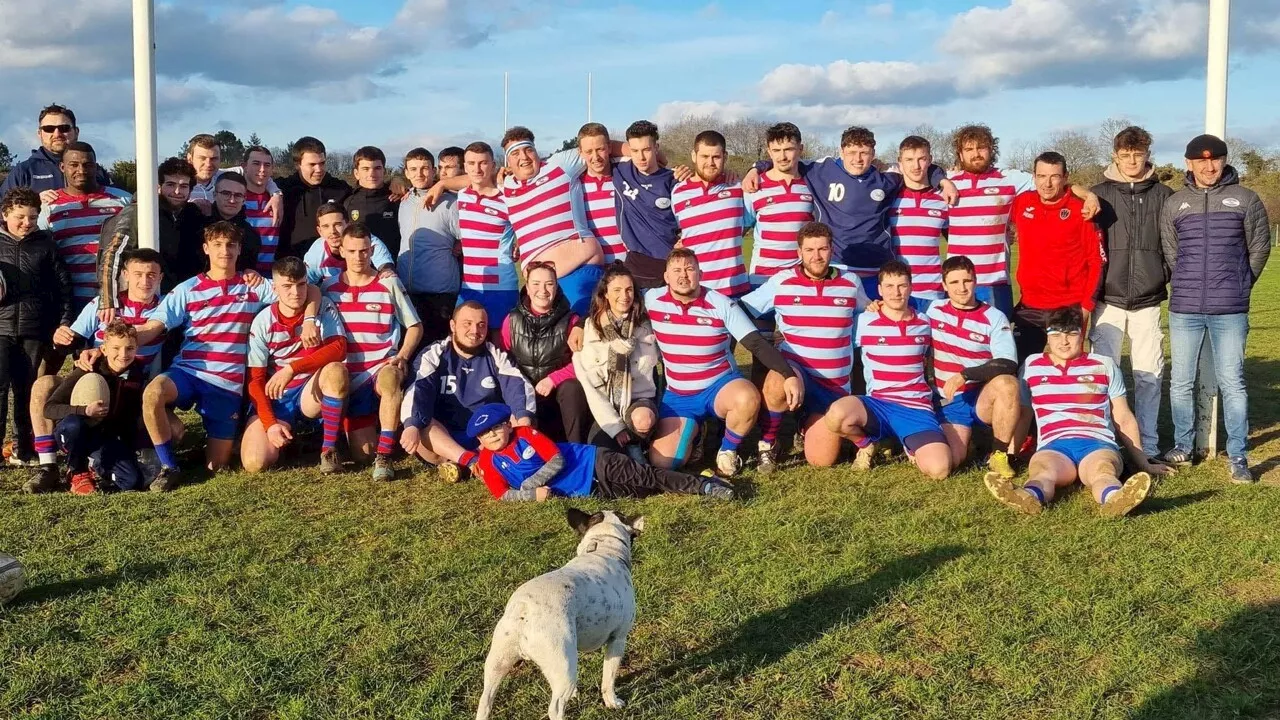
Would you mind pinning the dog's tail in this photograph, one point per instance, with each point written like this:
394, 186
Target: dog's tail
504, 653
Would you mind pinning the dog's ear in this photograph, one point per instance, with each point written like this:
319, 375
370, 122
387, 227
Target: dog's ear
582, 522
637, 525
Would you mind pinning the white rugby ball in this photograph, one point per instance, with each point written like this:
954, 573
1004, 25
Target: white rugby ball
90, 389
12, 578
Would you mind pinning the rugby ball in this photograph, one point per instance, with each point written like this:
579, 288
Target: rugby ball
12, 578
90, 389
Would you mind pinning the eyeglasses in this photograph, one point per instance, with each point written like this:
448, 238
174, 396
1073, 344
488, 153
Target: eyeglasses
228, 195
51, 129
492, 431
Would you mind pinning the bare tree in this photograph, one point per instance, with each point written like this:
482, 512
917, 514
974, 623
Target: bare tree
745, 138
940, 143
1080, 150
1021, 155
1107, 133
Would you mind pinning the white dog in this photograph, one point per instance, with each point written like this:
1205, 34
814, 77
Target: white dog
585, 605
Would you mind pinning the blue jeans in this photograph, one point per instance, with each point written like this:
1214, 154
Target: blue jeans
1227, 335
91, 446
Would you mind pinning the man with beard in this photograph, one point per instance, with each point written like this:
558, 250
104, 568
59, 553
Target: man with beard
42, 172
598, 190
304, 192
429, 252
781, 206
455, 377
712, 217
814, 305
979, 223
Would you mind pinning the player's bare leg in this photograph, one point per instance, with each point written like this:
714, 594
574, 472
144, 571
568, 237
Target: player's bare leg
821, 446
1047, 472
738, 403
774, 396
1100, 472
672, 442
45, 478
847, 417
1000, 406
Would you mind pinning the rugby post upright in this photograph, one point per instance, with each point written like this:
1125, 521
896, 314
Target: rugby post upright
144, 109
1215, 123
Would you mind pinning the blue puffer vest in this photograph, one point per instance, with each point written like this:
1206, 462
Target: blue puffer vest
1212, 275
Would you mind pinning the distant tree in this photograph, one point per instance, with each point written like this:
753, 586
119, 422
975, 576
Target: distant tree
939, 143
1107, 133
6, 158
283, 160
253, 140
745, 138
1256, 164
230, 147
124, 175
340, 164
569, 144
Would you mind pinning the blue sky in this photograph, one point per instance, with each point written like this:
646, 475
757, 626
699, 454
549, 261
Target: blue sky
398, 73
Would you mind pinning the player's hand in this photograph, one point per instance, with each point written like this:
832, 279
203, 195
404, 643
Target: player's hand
48, 196
409, 440
88, 358
398, 363
63, 336
387, 272
279, 436
794, 389
751, 181
105, 315
523, 422
503, 173
397, 188
873, 306
205, 206
279, 382
623, 437
251, 278
952, 386
1159, 469
575, 339
432, 196
730, 177
544, 387
275, 208
950, 192
1091, 206
96, 409
310, 334
542, 493
682, 173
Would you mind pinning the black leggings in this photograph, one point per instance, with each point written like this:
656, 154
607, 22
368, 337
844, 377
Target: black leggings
564, 415
19, 361
618, 476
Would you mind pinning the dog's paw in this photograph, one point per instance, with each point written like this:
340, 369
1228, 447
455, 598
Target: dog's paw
614, 702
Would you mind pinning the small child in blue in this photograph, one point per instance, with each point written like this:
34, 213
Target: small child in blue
522, 464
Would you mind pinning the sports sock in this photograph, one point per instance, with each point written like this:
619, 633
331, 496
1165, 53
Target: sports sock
330, 420
164, 451
770, 426
1106, 492
386, 442
731, 440
1037, 492
467, 458
45, 449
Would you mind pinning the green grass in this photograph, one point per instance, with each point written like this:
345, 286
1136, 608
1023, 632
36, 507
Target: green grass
826, 595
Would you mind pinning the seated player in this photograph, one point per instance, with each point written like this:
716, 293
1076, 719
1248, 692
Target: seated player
814, 305
208, 374
694, 325
894, 342
142, 280
102, 439
454, 378
974, 369
522, 464
383, 331
1076, 397
287, 380
324, 258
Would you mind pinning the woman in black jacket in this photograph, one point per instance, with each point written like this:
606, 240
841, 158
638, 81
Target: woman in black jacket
37, 299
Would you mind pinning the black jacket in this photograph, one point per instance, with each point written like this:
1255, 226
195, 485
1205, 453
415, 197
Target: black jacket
1135, 275
126, 399
301, 201
540, 343
181, 257
37, 286
250, 245
375, 209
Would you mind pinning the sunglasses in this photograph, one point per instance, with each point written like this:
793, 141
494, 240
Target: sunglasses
51, 129
540, 264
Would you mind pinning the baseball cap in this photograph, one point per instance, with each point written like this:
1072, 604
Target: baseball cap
1204, 147
487, 416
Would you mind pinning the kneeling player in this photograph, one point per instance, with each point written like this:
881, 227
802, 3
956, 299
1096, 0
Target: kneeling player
894, 342
520, 463
308, 382
1076, 396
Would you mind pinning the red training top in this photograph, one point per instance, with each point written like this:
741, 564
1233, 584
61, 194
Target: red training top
1060, 255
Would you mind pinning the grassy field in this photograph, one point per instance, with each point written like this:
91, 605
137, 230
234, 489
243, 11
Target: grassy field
825, 595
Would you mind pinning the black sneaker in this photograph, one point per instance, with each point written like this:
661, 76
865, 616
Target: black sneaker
718, 489
166, 480
1240, 473
44, 480
1176, 457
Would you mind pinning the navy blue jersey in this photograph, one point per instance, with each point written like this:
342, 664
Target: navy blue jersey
645, 220
449, 387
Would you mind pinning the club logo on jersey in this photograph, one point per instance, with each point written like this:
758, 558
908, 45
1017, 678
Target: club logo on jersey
666, 317
1029, 213
991, 191
877, 194
881, 341
723, 194
842, 301
355, 215
1231, 202
490, 211
528, 453
976, 337
1064, 213
1086, 378
935, 213
541, 181
373, 307
109, 211
704, 321
806, 198
919, 340
768, 201
489, 383
662, 203
796, 300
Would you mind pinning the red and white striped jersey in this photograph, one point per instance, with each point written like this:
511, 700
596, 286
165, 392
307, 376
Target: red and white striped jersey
967, 337
273, 344
893, 354
602, 216
815, 318
1073, 400
547, 209
778, 210
486, 237
217, 314
374, 316
76, 221
255, 211
88, 326
712, 219
694, 339
916, 221
979, 223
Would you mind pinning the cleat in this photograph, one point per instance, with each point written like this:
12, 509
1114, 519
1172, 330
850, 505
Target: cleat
1005, 491
84, 483
865, 458
45, 479
999, 464
450, 471
728, 463
1130, 495
165, 481
382, 469
329, 462
766, 459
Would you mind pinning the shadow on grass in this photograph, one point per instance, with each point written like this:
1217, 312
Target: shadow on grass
1164, 504
68, 588
1238, 677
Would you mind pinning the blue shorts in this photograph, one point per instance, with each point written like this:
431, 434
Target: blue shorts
289, 407
219, 409
1077, 449
962, 410
818, 397
497, 303
913, 426
363, 401
579, 286
998, 296
696, 407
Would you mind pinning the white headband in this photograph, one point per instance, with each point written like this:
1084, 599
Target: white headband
517, 145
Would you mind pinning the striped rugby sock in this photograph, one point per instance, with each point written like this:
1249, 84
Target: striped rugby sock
330, 421
769, 427
46, 450
731, 440
386, 442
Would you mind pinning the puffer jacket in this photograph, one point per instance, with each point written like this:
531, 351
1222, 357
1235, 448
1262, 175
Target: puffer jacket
37, 286
540, 343
1217, 240
1135, 274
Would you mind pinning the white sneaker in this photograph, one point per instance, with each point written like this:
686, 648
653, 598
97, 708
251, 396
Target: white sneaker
728, 463
865, 458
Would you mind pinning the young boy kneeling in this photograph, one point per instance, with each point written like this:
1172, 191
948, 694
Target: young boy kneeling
523, 464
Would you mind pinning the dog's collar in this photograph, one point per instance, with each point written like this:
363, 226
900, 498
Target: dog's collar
625, 558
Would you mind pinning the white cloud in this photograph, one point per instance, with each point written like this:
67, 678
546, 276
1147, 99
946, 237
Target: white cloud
880, 11
860, 82
818, 118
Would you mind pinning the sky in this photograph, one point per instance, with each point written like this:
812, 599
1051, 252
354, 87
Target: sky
403, 73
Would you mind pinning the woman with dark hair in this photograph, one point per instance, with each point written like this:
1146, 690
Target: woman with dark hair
35, 302
536, 333
617, 362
